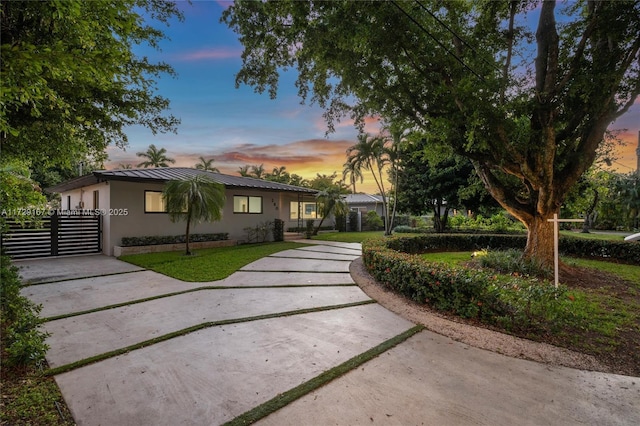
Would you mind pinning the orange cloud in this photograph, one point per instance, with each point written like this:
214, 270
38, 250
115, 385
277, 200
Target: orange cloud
306, 158
627, 160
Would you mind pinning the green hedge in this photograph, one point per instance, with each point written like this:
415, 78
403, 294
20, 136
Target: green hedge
462, 291
621, 251
171, 239
515, 302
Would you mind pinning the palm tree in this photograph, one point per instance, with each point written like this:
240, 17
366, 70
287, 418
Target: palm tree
206, 165
125, 166
244, 170
195, 199
330, 200
353, 173
371, 153
155, 157
279, 174
257, 171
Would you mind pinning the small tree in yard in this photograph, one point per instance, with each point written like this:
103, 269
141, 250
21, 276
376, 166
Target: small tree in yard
195, 199
330, 201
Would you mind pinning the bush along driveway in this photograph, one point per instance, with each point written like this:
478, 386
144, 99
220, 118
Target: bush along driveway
288, 339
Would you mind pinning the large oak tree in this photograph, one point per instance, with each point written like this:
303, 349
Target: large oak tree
528, 106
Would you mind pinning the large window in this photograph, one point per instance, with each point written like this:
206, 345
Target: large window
307, 210
153, 202
245, 204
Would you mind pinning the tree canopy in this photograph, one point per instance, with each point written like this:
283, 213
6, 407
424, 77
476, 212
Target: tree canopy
71, 82
528, 106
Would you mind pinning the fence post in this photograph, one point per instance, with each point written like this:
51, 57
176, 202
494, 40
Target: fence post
99, 232
54, 233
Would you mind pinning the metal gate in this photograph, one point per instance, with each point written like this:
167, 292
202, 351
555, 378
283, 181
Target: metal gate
54, 235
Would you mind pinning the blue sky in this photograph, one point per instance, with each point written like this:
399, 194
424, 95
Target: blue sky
234, 126
238, 126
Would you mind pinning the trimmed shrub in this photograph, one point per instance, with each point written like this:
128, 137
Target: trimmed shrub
259, 233
353, 221
22, 340
278, 230
403, 229
374, 221
512, 299
341, 222
308, 232
461, 291
169, 239
621, 251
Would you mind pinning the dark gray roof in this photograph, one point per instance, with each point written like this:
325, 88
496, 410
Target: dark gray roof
363, 199
164, 174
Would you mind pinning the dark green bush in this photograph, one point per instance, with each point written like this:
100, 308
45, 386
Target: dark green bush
511, 260
404, 229
341, 222
259, 233
458, 290
621, 251
22, 340
278, 230
373, 221
171, 239
308, 232
353, 221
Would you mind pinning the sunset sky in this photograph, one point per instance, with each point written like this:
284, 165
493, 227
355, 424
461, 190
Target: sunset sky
238, 127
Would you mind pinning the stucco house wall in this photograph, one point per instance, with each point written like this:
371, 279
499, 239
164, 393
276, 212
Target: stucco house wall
122, 205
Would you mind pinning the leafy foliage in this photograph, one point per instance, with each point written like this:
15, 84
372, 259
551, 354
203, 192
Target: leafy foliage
622, 251
70, 80
437, 184
22, 340
515, 302
155, 157
462, 75
205, 164
259, 233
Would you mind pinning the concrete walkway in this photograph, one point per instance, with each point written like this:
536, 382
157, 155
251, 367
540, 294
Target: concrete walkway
229, 346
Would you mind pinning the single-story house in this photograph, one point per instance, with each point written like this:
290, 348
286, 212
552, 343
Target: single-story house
365, 203
131, 203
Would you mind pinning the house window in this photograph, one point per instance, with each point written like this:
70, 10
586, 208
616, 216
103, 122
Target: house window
153, 202
96, 200
307, 210
245, 204
68, 202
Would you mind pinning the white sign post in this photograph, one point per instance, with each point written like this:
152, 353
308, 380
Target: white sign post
556, 259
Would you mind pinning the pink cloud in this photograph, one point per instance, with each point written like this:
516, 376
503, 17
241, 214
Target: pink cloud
211, 54
224, 4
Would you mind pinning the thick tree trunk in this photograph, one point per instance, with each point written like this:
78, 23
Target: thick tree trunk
540, 240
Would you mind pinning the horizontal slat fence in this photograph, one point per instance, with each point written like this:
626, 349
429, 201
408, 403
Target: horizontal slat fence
54, 235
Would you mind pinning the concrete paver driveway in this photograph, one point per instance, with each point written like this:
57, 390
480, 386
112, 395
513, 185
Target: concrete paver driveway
215, 351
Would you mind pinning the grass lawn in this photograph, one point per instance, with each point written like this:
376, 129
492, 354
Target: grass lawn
207, 264
626, 272
348, 237
601, 235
